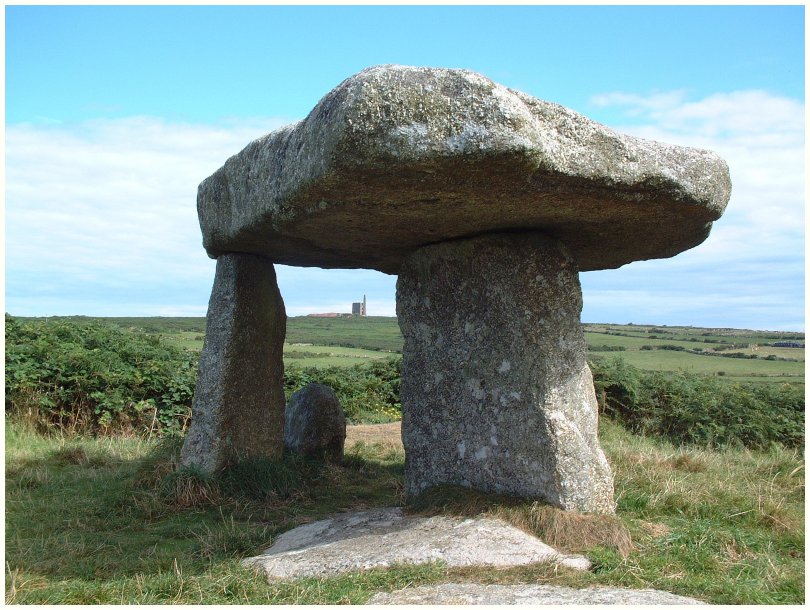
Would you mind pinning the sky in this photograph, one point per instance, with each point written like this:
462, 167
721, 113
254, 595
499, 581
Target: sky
114, 115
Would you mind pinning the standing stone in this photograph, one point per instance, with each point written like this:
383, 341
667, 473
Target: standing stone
314, 423
496, 391
238, 409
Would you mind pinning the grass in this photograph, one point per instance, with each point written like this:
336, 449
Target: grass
129, 527
325, 356
633, 338
567, 531
365, 338
302, 354
664, 360
112, 520
371, 332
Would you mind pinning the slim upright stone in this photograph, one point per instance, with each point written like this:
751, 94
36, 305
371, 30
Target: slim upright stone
238, 409
496, 392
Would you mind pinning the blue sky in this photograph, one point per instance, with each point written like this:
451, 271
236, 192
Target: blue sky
115, 114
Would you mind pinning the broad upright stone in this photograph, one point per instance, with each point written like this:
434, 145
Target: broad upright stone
238, 409
496, 392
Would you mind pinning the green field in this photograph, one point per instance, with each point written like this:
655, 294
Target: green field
322, 356
372, 332
345, 341
655, 349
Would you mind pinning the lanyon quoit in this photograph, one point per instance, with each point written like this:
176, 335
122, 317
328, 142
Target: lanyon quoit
486, 202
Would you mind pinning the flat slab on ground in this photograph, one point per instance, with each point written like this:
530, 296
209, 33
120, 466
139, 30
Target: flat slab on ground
385, 537
471, 593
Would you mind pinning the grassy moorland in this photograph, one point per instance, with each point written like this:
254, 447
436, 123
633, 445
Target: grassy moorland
709, 472
110, 520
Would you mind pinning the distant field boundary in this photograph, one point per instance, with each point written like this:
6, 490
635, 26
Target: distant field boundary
739, 355
194, 322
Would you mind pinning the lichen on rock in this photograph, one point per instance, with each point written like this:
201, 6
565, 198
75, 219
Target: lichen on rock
487, 202
238, 409
496, 392
397, 157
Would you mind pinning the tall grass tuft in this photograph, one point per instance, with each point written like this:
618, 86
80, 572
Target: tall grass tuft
230, 538
188, 487
262, 478
566, 530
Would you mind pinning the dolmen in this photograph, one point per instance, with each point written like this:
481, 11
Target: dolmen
486, 203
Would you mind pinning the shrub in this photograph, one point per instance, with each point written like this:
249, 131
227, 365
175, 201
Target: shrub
700, 410
367, 392
79, 376
88, 377
672, 348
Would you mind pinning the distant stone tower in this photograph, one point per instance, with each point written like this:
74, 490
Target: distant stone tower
359, 309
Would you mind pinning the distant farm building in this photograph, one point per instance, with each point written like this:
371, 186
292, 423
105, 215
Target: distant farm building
358, 309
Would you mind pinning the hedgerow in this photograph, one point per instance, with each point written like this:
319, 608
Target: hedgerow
368, 393
90, 377
699, 410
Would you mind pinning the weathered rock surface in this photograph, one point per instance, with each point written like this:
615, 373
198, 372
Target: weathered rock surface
383, 537
397, 157
238, 409
471, 593
314, 423
496, 391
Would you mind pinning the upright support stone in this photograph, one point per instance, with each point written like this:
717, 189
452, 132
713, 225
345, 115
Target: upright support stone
496, 391
238, 409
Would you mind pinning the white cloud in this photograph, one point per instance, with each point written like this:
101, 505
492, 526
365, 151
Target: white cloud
106, 209
101, 218
636, 104
737, 113
315, 290
375, 308
761, 234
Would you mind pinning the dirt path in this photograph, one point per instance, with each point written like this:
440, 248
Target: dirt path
375, 433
